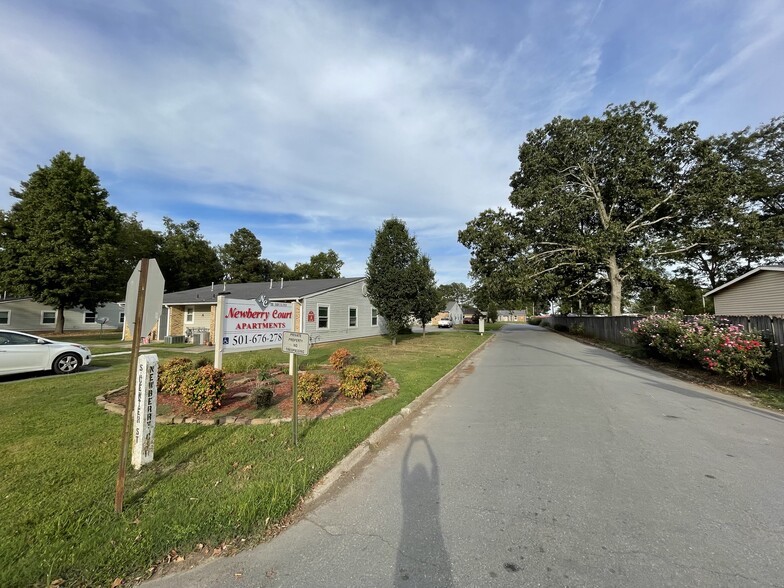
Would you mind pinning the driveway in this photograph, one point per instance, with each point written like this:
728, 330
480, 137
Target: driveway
545, 462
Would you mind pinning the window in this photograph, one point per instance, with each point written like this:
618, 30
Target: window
122, 318
48, 317
5, 317
374, 317
352, 316
189, 315
323, 317
89, 317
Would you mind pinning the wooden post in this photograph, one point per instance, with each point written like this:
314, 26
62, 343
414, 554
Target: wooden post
294, 399
139, 315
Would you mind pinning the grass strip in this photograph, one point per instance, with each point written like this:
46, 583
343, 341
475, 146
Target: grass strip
207, 485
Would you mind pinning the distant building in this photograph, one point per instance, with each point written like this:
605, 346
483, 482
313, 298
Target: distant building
24, 314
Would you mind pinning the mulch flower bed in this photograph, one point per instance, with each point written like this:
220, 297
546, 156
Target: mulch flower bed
238, 400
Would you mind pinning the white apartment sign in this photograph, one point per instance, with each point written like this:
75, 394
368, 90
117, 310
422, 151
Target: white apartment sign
255, 324
145, 407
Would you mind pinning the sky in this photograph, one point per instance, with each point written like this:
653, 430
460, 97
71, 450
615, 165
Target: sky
310, 122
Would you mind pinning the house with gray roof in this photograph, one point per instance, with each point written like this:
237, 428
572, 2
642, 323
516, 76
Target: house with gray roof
332, 309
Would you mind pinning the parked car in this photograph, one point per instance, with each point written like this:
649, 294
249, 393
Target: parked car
21, 353
445, 323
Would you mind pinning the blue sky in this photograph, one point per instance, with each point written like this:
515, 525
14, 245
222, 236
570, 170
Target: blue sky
310, 122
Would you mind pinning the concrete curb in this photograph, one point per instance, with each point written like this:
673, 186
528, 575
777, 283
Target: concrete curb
348, 463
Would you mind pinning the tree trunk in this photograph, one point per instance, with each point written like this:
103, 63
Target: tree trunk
59, 324
614, 274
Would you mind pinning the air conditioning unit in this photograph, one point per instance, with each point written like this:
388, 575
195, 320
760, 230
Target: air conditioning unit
174, 339
199, 338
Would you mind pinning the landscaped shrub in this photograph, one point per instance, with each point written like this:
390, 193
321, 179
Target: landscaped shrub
341, 358
561, 328
375, 371
203, 388
545, 324
171, 374
262, 396
534, 320
719, 347
309, 387
356, 382
660, 335
578, 329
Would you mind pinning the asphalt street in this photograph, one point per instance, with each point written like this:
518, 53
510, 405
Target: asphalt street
545, 462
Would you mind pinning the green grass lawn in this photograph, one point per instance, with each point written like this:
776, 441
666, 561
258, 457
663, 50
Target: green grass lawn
489, 327
207, 485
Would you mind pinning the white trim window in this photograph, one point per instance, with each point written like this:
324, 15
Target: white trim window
89, 317
48, 317
5, 317
373, 317
352, 317
323, 316
190, 315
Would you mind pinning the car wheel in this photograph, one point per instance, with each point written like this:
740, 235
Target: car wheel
67, 363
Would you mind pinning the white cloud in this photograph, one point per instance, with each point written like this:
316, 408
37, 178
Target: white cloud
337, 115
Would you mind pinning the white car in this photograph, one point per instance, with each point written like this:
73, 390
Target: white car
21, 353
445, 323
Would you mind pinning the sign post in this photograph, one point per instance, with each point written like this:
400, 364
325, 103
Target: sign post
482, 326
295, 344
143, 295
146, 407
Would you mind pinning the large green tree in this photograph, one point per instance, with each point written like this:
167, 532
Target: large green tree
427, 301
241, 258
596, 201
456, 291
59, 240
321, 266
733, 221
135, 243
391, 283
187, 260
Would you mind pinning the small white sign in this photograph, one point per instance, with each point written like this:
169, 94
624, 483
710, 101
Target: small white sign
296, 343
146, 404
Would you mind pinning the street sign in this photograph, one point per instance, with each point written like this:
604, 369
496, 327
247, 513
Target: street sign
296, 343
153, 298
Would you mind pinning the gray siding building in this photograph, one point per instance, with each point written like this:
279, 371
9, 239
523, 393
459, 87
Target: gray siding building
332, 309
758, 292
24, 314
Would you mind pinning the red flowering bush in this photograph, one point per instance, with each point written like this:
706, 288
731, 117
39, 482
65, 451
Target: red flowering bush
719, 347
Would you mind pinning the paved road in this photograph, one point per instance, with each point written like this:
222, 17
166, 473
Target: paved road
546, 463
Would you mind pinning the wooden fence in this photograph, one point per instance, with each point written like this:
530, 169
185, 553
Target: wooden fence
614, 328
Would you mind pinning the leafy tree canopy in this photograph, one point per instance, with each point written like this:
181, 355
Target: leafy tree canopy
60, 239
391, 283
187, 260
456, 291
427, 301
321, 266
734, 197
241, 258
